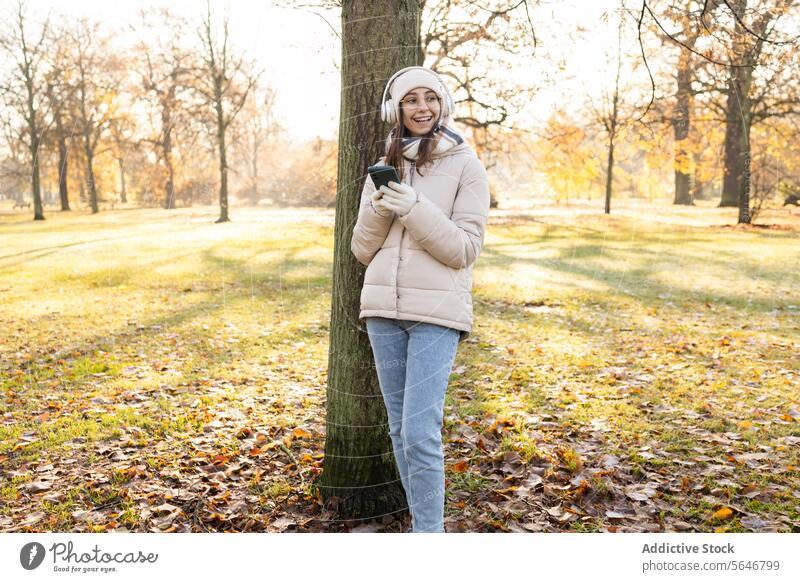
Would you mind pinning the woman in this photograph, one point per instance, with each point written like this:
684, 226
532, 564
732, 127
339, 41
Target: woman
419, 240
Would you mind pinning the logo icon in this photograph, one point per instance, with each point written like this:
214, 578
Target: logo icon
31, 555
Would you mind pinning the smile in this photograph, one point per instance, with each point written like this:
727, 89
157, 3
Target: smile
424, 119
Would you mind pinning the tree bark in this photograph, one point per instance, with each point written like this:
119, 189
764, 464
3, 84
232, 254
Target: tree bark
733, 172
123, 194
166, 144
223, 162
63, 161
738, 119
359, 475
609, 174
35, 139
90, 180
681, 123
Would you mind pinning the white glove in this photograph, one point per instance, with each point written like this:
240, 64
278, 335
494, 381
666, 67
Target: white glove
399, 197
378, 205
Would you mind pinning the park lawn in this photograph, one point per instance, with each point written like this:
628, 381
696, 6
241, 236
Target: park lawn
163, 373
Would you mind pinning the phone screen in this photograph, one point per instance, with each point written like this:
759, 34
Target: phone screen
382, 175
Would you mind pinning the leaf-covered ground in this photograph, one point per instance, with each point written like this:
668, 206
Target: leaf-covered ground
163, 373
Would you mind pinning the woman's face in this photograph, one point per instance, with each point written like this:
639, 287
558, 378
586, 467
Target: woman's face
421, 109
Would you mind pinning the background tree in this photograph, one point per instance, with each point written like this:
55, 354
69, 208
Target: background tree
60, 81
96, 89
565, 155
164, 69
616, 108
745, 34
746, 48
24, 91
223, 83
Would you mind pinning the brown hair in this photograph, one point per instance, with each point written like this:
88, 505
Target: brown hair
394, 157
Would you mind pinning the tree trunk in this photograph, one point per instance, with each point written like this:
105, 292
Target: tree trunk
170, 186
738, 118
359, 475
744, 192
733, 164
81, 187
123, 195
254, 172
90, 182
62, 170
38, 209
612, 123
681, 129
609, 174
166, 124
223, 159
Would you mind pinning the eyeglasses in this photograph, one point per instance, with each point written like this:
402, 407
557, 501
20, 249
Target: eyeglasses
411, 102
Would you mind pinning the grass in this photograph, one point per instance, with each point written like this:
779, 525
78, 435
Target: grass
663, 329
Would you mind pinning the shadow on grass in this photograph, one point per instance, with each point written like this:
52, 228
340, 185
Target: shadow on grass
641, 284
245, 284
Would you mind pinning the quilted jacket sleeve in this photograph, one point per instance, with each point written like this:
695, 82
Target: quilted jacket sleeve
456, 241
371, 228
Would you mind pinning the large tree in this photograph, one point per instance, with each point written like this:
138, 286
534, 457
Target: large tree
359, 472
25, 89
96, 90
60, 95
224, 82
163, 69
743, 30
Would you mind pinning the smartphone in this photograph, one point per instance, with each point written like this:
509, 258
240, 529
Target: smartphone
382, 175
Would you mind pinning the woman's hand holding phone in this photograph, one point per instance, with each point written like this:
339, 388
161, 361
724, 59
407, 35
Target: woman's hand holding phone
378, 204
399, 198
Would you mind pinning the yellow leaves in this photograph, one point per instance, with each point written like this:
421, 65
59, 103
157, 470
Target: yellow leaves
745, 424
570, 459
300, 433
723, 514
520, 375
500, 425
509, 489
297, 433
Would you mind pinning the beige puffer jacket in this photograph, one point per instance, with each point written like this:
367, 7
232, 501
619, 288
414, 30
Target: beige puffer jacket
419, 266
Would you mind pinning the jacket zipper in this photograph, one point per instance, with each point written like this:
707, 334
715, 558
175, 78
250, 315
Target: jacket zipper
402, 236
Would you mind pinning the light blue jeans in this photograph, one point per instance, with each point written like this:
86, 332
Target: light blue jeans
413, 361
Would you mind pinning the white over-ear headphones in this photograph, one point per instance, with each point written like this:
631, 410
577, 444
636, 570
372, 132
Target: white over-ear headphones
388, 113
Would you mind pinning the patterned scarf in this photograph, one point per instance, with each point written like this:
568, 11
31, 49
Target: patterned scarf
448, 137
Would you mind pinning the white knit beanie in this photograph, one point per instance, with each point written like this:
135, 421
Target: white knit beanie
411, 80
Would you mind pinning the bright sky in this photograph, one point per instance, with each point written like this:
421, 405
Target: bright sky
300, 51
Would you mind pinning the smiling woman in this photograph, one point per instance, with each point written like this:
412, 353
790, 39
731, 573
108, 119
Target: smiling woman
419, 109
419, 240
